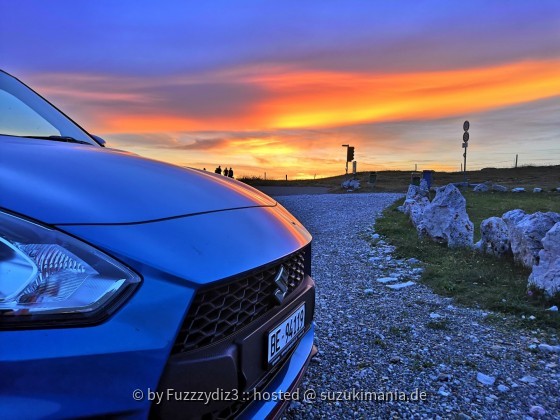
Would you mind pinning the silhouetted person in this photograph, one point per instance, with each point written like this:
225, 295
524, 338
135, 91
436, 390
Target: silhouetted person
219, 170
230, 173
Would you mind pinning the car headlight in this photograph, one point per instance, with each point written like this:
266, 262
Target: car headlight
48, 278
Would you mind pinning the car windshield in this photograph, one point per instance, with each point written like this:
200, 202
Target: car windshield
23, 113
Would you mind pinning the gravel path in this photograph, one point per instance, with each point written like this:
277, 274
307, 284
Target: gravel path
376, 339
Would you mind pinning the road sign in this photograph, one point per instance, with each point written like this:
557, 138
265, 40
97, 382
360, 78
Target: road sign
465, 145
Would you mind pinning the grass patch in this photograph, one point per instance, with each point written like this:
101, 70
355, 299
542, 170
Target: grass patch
438, 325
419, 364
379, 342
481, 206
474, 279
400, 331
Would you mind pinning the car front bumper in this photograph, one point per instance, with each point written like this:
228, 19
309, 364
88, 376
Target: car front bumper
233, 377
110, 369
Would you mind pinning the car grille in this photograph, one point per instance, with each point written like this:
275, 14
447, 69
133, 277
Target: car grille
220, 311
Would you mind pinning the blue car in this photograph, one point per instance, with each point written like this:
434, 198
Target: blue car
134, 288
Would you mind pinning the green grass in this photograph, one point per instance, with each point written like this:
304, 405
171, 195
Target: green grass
400, 331
480, 206
438, 325
474, 279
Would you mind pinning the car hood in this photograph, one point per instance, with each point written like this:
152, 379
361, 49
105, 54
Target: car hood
66, 183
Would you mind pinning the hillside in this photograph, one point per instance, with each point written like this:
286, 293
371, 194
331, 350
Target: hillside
546, 177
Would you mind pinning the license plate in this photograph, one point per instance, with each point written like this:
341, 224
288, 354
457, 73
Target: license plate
280, 338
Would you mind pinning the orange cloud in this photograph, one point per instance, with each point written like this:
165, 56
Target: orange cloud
316, 99
319, 99
298, 120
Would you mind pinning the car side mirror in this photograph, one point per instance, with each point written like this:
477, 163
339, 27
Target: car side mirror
99, 140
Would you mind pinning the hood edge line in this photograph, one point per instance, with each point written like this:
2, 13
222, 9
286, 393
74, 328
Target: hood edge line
162, 219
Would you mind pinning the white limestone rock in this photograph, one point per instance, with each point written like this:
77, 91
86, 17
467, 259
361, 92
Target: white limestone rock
445, 219
494, 237
485, 379
546, 274
481, 188
499, 188
351, 184
415, 203
526, 233
399, 286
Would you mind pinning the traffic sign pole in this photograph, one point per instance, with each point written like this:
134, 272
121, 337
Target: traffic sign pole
466, 126
347, 146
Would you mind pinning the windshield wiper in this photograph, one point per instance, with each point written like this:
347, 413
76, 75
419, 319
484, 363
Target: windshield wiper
66, 139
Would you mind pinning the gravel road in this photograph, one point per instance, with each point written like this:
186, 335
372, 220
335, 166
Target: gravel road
377, 339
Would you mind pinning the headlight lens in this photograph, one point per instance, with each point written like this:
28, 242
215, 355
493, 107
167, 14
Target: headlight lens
47, 277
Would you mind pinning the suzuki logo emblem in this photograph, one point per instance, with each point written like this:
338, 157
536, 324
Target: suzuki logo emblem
281, 280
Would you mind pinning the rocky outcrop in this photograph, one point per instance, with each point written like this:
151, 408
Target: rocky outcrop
417, 210
351, 184
494, 237
526, 232
445, 219
546, 274
499, 188
512, 217
415, 191
415, 202
481, 188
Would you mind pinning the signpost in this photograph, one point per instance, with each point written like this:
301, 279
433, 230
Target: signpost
346, 145
465, 145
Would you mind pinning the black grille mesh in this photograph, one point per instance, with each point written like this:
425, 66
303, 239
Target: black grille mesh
220, 311
237, 407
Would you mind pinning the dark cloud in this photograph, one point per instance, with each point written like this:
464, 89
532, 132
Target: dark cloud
165, 141
187, 97
200, 100
203, 144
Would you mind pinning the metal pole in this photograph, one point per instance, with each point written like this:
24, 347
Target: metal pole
466, 126
346, 159
516, 156
465, 164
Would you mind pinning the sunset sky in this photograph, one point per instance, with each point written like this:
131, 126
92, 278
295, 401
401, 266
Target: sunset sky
278, 87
